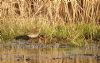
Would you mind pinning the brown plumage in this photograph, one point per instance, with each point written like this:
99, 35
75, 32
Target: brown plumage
30, 35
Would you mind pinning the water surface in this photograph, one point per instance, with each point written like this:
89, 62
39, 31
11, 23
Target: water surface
23, 52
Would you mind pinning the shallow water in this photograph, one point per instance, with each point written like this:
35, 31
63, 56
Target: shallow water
23, 52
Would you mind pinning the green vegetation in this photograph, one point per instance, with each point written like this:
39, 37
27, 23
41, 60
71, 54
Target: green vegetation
77, 34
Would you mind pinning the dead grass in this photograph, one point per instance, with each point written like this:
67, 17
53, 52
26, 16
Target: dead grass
55, 10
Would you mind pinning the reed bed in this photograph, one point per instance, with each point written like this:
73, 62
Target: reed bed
55, 10
75, 21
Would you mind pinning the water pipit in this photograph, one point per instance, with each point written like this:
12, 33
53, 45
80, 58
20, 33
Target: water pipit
30, 35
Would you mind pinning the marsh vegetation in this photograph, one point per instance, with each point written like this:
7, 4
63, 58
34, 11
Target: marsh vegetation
72, 23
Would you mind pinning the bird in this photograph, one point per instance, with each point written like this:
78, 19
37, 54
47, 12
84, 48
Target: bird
30, 35
33, 35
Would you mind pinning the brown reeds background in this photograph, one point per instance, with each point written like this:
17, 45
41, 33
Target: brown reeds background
55, 10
